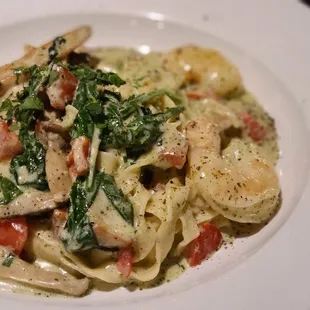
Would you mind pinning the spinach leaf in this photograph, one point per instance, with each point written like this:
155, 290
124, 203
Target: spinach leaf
25, 117
8, 190
53, 49
78, 234
90, 103
116, 197
83, 125
30, 103
86, 101
133, 103
52, 77
86, 93
5, 105
102, 78
29, 167
38, 76
139, 134
8, 107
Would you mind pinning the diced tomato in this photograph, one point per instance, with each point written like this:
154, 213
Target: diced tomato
77, 159
174, 153
206, 94
59, 219
206, 243
256, 131
14, 233
62, 90
70, 159
125, 261
72, 169
176, 156
197, 96
10, 144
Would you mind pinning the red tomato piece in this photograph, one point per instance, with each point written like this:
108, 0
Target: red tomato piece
77, 160
176, 156
206, 243
256, 131
10, 144
72, 169
206, 94
14, 233
125, 261
197, 96
59, 219
62, 89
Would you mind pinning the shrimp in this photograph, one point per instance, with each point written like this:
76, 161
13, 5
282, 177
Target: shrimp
205, 67
238, 183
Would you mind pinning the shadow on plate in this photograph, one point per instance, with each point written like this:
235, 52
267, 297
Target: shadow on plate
306, 2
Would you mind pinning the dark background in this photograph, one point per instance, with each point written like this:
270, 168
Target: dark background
306, 2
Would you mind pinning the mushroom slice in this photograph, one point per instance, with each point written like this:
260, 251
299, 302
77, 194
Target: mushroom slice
29, 203
29, 274
40, 55
55, 128
57, 173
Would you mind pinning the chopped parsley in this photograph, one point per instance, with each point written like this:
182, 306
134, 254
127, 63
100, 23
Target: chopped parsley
8, 260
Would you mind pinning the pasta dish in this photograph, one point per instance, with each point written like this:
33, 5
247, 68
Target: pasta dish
113, 162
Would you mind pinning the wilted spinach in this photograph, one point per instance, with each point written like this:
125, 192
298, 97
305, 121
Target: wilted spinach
8, 190
98, 76
83, 125
30, 104
135, 102
139, 135
90, 102
116, 197
78, 234
30, 163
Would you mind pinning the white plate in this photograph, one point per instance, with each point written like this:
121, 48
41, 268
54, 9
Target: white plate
157, 33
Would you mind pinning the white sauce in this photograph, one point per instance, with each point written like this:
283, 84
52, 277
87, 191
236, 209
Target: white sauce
25, 177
